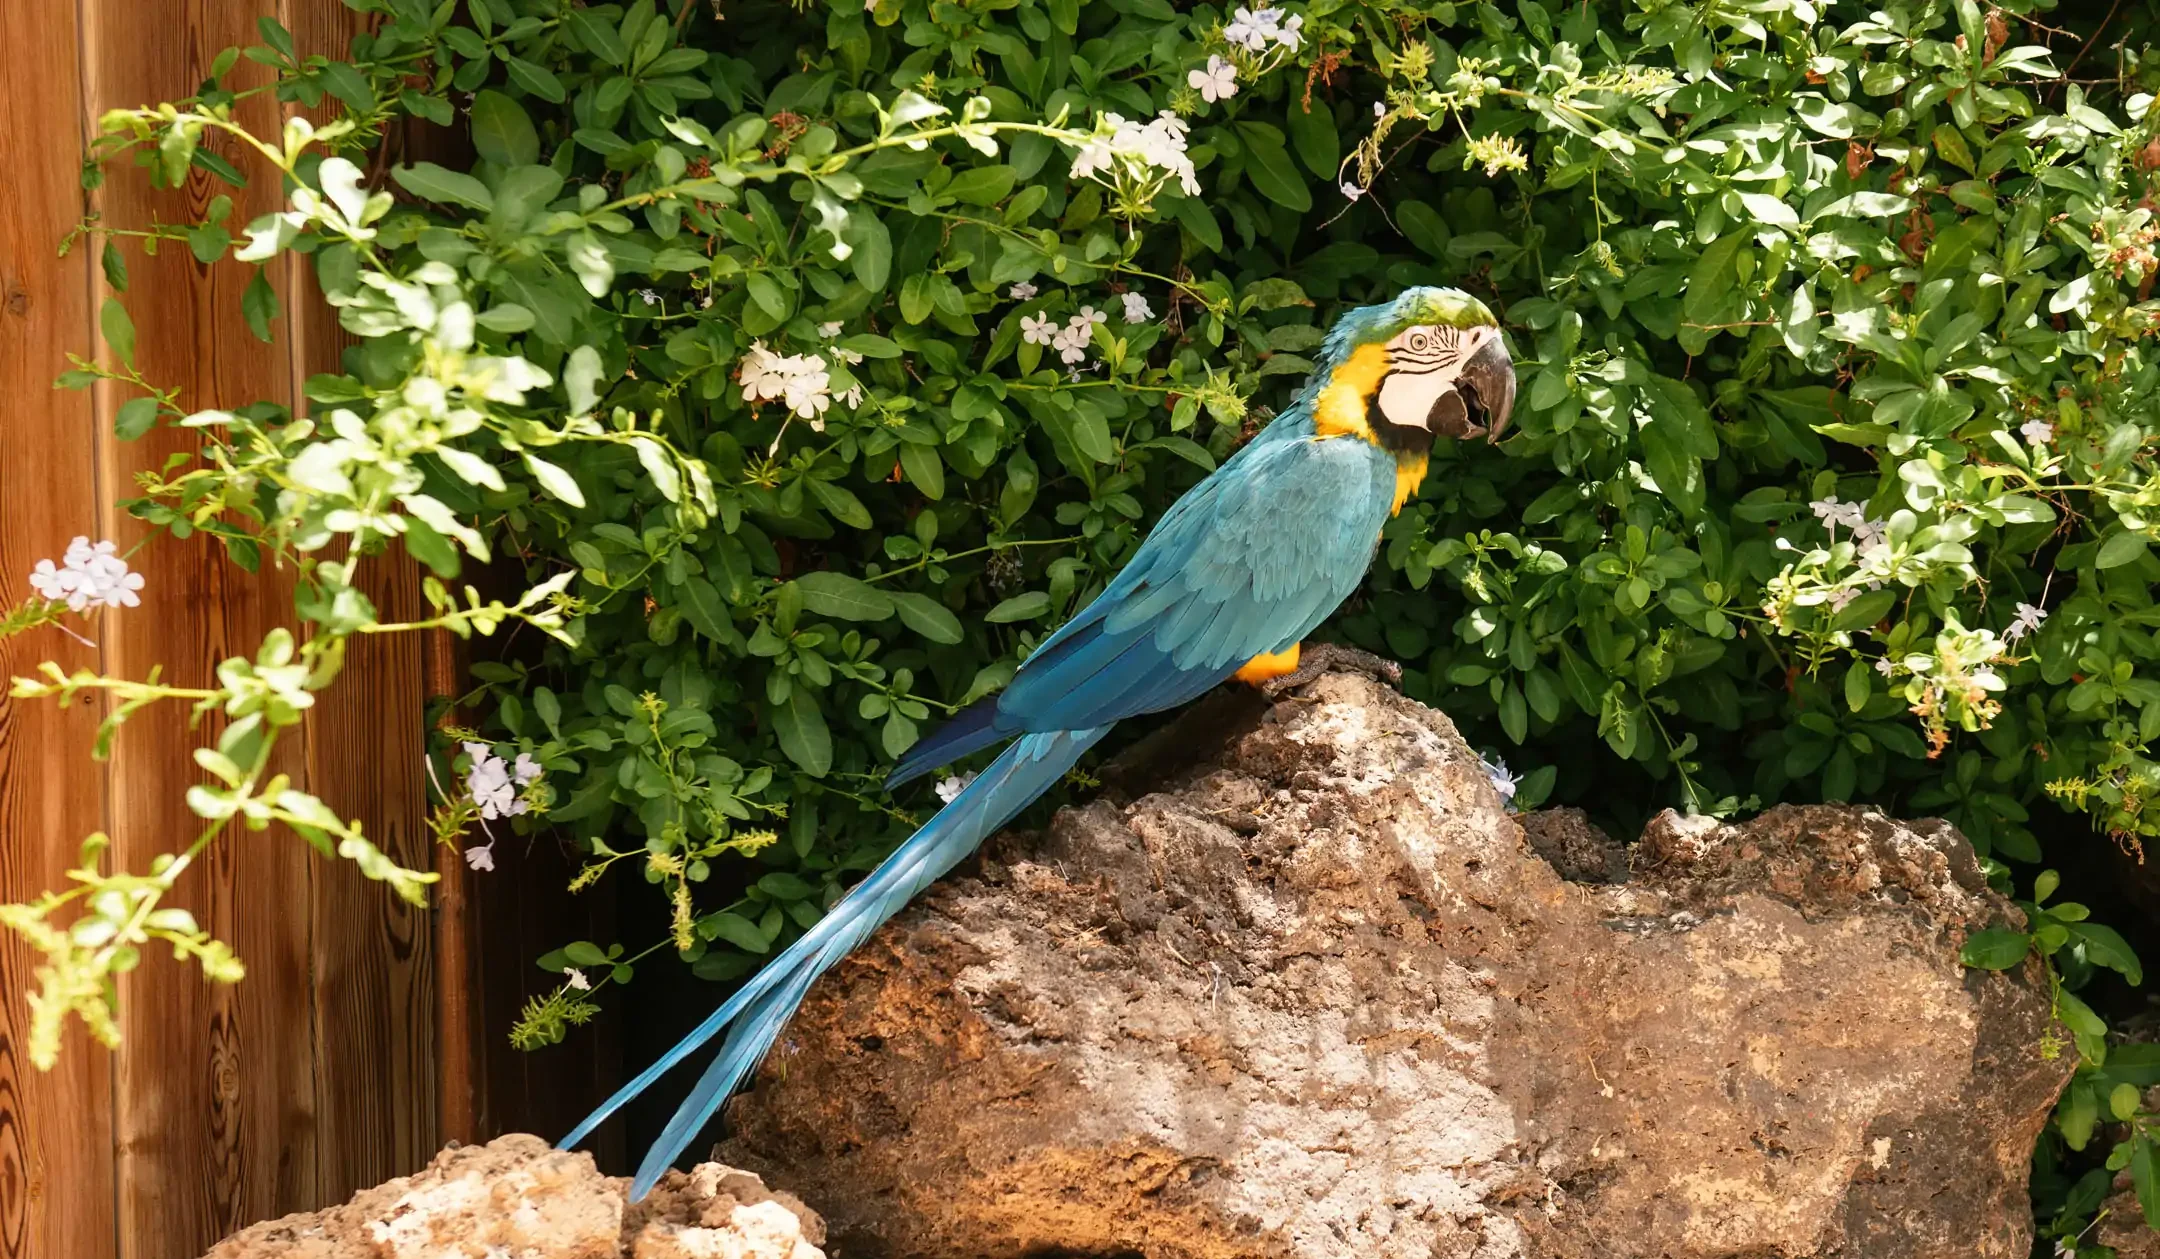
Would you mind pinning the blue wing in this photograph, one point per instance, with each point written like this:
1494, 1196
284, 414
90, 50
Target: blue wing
1248, 561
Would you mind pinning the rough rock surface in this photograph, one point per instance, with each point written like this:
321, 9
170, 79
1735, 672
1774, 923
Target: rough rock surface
518, 1198
1317, 995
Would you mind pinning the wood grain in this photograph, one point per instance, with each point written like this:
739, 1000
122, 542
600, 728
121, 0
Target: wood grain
56, 1177
215, 1108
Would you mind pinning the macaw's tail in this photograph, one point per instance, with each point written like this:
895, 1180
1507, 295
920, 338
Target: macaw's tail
757, 1011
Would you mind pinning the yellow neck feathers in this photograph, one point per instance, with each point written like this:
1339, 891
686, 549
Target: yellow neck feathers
1340, 412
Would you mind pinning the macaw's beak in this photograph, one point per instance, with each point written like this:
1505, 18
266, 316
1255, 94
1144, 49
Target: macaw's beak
1487, 384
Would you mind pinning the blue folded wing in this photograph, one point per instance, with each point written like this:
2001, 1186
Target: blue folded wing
1248, 561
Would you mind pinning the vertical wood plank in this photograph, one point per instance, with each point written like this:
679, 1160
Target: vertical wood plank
373, 956
215, 1104
56, 1179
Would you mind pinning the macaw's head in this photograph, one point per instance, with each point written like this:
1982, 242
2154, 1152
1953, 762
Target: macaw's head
1428, 364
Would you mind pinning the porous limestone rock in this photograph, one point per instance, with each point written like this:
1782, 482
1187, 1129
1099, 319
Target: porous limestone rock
518, 1198
1308, 991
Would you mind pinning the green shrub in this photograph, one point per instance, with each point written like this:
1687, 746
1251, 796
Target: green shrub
1832, 472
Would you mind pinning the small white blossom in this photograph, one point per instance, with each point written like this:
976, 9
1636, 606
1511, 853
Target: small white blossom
1867, 535
1137, 309
1250, 30
853, 397
1037, 329
1504, 780
949, 789
1159, 144
800, 381
1072, 342
648, 297
1884, 667
830, 330
1217, 82
1091, 315
2037, 432
1023, 291
490, 785
1839, 598
88, 576
576, 979
482, 857
1352, 191
2028, 619
1379, 110
525, 769
1291, 36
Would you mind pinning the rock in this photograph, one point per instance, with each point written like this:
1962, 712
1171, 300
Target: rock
1319, 997
518, 1198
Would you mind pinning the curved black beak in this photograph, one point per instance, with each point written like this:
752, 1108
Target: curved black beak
1487, 385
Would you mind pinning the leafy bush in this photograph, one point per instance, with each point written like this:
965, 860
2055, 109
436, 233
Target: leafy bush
1831, 476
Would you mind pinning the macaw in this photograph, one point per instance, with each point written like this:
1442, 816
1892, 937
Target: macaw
1228, 584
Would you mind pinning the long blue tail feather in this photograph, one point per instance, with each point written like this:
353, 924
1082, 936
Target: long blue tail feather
755, 1014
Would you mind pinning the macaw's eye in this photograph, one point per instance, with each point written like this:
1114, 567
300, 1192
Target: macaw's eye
1419, 341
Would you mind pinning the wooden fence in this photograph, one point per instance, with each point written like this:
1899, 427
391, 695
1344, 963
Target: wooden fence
362, 1037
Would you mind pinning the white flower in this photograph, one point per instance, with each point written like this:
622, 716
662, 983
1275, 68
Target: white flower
525, 769
490, 786
801, 381
1251, 30
853, 397
648, 297
1884, 667
1504, 780
1291, 36
949, 789
1217, 82
1037, 329
2028, 619
481, 858
1867, 535
1088, 314
1379, 110
576, 979
830, 330
1023, 291
1137, 309
1159, 145
1839, 598
88, 576
761, 374
1352, 191
1071, 344
2037, 432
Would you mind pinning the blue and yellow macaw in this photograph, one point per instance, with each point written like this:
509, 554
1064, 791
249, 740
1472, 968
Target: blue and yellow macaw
1228, 584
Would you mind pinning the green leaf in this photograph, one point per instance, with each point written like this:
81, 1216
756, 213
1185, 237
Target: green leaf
119, 330
736, 930
137, 416
1269, 167
2145, 1178
1021, 607
259, 305
2122, 547
1995, 949
829, 593
804, 737
927, 617
706, 611
982, 185
1312, 133
872, 259
584, 953
2104, 947
924, 469
502, 132
440, 184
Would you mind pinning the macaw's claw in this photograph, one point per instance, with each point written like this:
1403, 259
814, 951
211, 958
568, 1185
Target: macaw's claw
1320, 658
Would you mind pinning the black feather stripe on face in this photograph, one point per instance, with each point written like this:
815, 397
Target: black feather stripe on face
1398, 439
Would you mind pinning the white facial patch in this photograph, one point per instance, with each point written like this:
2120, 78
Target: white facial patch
1424, 363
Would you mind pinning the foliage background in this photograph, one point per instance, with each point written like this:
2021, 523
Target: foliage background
1771, 270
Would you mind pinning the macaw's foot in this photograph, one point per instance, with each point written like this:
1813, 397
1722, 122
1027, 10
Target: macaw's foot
1322, 658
